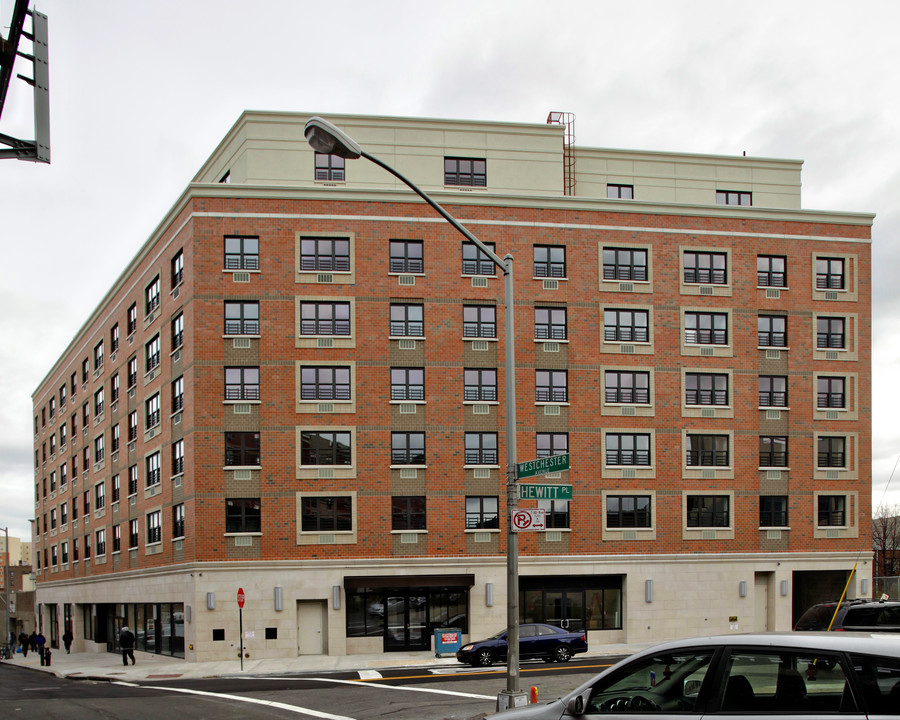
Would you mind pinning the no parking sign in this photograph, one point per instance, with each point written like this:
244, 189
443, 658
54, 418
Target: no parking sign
526, 520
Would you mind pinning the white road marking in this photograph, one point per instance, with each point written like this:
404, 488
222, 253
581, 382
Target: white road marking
369, 675
357, 683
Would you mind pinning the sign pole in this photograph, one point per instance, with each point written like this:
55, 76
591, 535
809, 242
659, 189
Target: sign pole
240, 602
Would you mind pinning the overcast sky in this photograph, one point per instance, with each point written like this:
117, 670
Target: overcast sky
141, 93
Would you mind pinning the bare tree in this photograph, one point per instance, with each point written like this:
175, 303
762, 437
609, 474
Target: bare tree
886, 541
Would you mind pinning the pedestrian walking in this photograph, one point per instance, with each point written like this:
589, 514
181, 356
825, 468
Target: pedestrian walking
32, 641
40, 641
23, 643
67, 639
126, 642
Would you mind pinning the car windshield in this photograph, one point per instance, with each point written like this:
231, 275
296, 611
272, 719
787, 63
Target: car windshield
498, 636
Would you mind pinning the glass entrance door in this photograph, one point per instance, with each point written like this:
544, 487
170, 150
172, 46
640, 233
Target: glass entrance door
565, 609
407, 622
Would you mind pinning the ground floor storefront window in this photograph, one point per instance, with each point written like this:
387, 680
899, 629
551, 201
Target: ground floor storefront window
158, 627
574, 602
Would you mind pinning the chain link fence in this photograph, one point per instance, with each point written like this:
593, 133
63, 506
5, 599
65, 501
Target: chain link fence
889, 586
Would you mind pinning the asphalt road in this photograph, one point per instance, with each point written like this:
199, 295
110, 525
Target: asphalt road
405, 694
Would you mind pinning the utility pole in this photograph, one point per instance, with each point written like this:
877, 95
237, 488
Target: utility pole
6, 582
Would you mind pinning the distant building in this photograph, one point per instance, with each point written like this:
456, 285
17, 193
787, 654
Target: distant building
296, 388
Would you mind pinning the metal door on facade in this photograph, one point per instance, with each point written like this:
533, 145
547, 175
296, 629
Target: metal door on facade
406, 617
565, 608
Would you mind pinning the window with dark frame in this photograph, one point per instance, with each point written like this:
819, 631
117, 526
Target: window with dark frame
151, 354
831, 451
330, 167
626, 325
463, 171
480, 384
551, 386
705, 328
98, 403
178, 457
99, 496
242, 383
481, 448
178, 331
830, 333
407, 448
408, 384
773, 391
733, 197
151, 296
548, 444
132, 371
113, 340
100, 537
708, 268
773, 451
153, 411
116, 485
114, 442
243, 515
134, 529
628, 511
705, 388
178, 521
407, 320
773, 511
242, 449
549, 261
556, 513
630, 387
325, 318
132, 318
324, 254
154, 527
406, 256
830, 393
98, 363
771, 271
178, 395
479, 321
320, 447
132, 425
629, 449
326, 514
482, 512
241, 318
117, 538
550, 323
624, 264
177, 269
710, 511
772, 331
832, 511
475, 261
114, 389
408, 512
132, 480
241, 253
619, 192
707, 450
830, 273
153, 474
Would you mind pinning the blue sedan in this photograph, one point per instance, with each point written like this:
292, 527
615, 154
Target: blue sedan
536, 640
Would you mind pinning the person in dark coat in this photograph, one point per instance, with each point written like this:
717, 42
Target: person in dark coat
23, 643
126, 642
40, 641
67, 639
32, 641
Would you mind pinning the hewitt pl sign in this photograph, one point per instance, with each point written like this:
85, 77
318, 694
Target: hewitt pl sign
542, 466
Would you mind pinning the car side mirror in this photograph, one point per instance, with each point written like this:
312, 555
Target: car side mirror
691, 687
575, 706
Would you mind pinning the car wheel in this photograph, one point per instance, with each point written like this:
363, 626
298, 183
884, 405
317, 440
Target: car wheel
563, 653
484, 658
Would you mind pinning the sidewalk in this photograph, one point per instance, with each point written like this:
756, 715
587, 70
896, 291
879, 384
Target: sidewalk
107, 666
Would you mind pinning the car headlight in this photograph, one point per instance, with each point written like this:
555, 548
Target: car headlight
466, 648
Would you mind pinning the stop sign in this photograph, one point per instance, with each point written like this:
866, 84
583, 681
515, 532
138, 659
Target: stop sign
240, 597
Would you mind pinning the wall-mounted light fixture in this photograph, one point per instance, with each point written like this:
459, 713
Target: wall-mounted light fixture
648, 591
279, 599
864, 586
784, 588
742, 588
187, 614
336, 597
489, 594
210, 601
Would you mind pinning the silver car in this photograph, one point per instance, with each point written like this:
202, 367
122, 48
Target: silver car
814, 675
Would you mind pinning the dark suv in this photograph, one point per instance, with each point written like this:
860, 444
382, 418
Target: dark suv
853, 615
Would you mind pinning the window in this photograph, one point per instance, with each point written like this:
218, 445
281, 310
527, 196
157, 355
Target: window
773, 391
325, 254
482, 512
471, 172
85, 417
481, 448
85, 371
550, 261
708, 511
133, 533
773, 451
74, 381
733, 197
705, 267
132, 480
407, 384
832, 511
830, 392
153, 412
242, 383
406, 256
86, 496
100, 537
556, 513
551, 386
325, 448
705, 328
475, 261
132, 425
114, 389
116, 485
407, 320
242, 449
117, 538
178, 457
242, 253
320, 383
707, 451
479, 321
480, 385
177, 268
831, 452
178, 520
64, 514
326, 514
64, 551
773, 511
550, 323
178, 332
620, 192
62, 396
624, 264
243, 515
114, 444
626, 325
242, 318
325, 318
771, 271
63, 430
98, 403
408, 512
178, 395
132, 318
627, 511
407, 448
627, 386
153, 475
830, 332
552, 444
74, 552
329, 167
132, 372
98, 449
152, 296
154, 527
53, 518
772, 330
151, 354
98, 363
705, 389
52, 444
830, 273
628, 449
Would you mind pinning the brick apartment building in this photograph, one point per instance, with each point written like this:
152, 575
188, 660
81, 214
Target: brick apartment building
296, 388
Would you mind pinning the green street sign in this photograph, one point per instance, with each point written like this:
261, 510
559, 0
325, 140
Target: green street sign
537, 491
542, 466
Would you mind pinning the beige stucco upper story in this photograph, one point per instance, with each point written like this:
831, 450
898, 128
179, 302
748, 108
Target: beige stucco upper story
526, 159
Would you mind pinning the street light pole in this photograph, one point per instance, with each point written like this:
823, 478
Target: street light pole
6, 639
327, 138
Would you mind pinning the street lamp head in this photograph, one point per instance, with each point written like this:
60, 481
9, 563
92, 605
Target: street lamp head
324, 137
